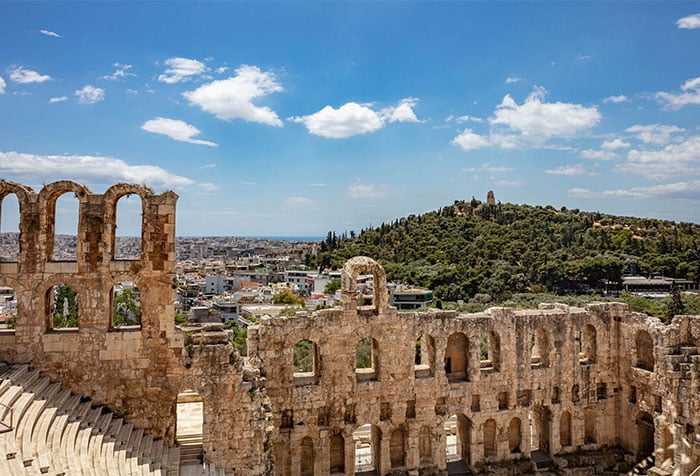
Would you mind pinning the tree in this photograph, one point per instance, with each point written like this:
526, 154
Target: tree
65, 311
676, 306
332, 287
286, 297
125, 310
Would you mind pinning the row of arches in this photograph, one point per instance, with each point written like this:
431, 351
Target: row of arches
62, 303
457, 355
61, 222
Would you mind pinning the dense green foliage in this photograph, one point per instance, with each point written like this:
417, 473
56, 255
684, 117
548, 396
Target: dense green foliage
304, 356
65, 309
125, 310
240, 337
471, 248
286, 297
332, 287
363, 354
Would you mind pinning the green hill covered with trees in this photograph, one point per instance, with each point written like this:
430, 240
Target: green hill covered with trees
473, 249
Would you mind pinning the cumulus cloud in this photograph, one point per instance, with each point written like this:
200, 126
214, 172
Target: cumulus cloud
352, 119
3, 84
370, 190
616, 99
576, 169
598, 154
690, 95
674, 160
656, 134
181, 69
539, 121
121, 71
176, 130
468, 140
233, 98
85, 168
672, 190
50, 33
58, 99
89, 94
513, 79
614, 144
24, 76
690, 22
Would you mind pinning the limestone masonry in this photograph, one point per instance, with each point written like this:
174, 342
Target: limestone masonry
555, 380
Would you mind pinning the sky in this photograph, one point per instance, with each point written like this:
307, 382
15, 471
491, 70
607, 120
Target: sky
295, 118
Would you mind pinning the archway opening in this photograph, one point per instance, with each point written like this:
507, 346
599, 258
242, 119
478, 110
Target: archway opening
588, 348
337, 456
515, 435
539, 348
397, 448
127, 227
589, 426
490, 438
9, 228
367, 442
8, 308
65, 229
540, 428
490, 351
645, 350
189, 427
424, 361
645, 435
458, 430
306, 457
366, 359
126, 305
425, 446
62, 307
457, 357
565, 428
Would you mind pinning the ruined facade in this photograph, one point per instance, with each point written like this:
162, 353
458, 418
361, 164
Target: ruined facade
556, 379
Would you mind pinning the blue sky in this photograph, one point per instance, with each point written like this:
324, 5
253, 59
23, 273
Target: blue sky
297, 118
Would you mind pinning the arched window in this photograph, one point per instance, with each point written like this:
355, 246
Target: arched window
458, 434
62, 307
367, 440
9, 228
425, 445
305, 356
457, 357
189, 426
490, 358
645, 351
8, 308
306, 457
588, 348
645, 435
337, 458
589, 425
424, 363
490, 437
127, 228
575, 397
366, 359
539, 348
515, 435
126, 305
397, 449
65, 235
565, 428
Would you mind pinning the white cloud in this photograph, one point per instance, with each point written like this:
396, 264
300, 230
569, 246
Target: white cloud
121, 72
24, 76
221, 69
90, 94
657, 134
352, 119
181, 69
464, 118
508, 183
576, 169
468, 140
617, 99
614, 144
513, 79
674, 160
50, 33
232, 98
690, 22
131, 91
209, 187
690, 95
598, 154
689, 190
297, 201
58, 99
85, 168
505, 141
318, 185
208, 166
175, 129
370, 190
3, 84
488, 168
538, 121
249, 183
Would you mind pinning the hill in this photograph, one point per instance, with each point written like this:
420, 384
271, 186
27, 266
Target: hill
472, 248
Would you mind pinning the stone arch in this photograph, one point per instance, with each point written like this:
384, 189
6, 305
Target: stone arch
644, 346
457, 357
490, 351
10, 304
306, 457
10, 244
47, 203
397, 448
542, 423
305, 362
540, 348
424, 361
367, 441
588, 351
645, 434
589, 426
565, 428
111, 199
366, 359
349, 274
337, 453
425, 445
489, 437
515, 435
458, 431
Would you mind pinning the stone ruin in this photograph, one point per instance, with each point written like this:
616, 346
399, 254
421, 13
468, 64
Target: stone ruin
436, 389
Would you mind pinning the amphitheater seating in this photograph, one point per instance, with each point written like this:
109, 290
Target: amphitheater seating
46, 429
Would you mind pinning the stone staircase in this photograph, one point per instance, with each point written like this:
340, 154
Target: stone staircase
49, 430
683, 362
